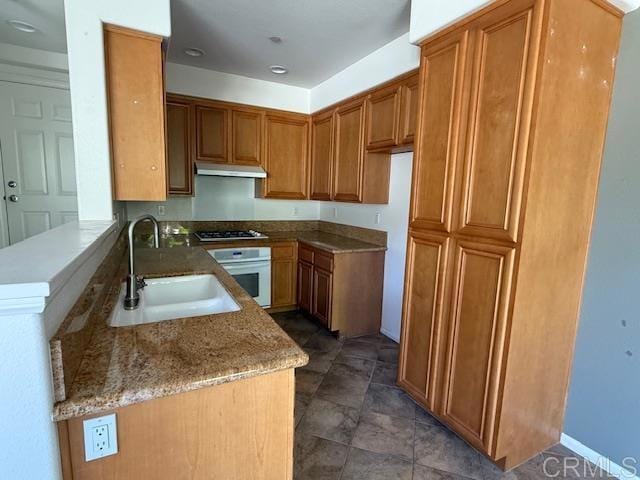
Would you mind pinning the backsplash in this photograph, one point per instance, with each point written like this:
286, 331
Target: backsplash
226, 198
376, 237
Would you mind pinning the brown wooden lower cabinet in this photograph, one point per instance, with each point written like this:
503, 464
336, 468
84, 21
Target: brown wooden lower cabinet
283, 275
305, 285
343, 291
322, 289
241, 430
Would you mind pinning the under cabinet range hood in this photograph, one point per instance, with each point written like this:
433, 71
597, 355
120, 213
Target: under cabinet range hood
229, 170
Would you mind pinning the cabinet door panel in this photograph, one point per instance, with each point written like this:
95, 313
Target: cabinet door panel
305, 286
478, 319
179, 148
287, 151
383, 115
348, 162
322, 285
133, 69
409, 110
211, 134
496, 144
246, 137
423, 311
283, 275
441, 76
322, 157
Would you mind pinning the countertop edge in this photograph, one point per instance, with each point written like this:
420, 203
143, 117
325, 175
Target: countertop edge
67, 409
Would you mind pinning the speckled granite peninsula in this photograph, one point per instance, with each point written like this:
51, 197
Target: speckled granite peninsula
216, 391
124, 365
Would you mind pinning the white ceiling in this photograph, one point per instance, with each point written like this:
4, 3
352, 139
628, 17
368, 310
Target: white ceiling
319, 37
46, 15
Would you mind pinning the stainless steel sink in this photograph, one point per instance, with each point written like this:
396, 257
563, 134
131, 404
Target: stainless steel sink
174, 297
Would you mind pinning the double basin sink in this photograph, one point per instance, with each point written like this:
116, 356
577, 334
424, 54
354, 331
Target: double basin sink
174, 297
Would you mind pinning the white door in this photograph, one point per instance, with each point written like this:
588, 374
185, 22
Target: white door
38, 166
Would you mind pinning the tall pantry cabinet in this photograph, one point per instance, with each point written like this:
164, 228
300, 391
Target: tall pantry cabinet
512, 115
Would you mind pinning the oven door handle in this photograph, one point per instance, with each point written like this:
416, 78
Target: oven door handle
245, 265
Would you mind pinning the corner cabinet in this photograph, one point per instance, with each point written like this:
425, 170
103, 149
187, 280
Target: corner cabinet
349, 152
383, 118
342, 291
135, 96
508, 148
286, 157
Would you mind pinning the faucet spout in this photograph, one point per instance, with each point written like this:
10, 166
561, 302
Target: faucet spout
132, 298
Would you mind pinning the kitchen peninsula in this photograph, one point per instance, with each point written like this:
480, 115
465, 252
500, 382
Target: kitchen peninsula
202, 396
230, 376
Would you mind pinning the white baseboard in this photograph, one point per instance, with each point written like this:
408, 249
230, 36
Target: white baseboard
386, 333
598, 459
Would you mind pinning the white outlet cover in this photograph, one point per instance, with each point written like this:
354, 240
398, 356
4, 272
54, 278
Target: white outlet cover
161, 210
105, 425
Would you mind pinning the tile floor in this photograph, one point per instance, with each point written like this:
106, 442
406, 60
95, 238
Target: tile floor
352, 422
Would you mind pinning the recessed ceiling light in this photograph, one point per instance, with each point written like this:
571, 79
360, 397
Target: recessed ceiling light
22, 26
194, 52
276, 39
278, 69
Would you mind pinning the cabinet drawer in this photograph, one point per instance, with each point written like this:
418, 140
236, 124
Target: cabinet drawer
305, 254
284, 251
323, 261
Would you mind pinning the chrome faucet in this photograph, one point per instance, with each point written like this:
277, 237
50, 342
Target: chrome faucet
135, 283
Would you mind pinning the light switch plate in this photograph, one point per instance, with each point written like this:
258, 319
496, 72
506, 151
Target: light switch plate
100, 437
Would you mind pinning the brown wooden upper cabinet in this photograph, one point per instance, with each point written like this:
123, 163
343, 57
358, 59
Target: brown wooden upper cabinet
135, 92
180, 161
212, 137
322, 130
246, 134
383, 117
286, 156
341, 153
409, 109
226, 134
349, 151
391, 115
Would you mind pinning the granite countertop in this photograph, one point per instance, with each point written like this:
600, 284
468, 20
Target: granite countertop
328, 242
126, 365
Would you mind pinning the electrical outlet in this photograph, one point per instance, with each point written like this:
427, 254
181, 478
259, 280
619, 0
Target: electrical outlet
378, 218
100, 437
295, 211
161, 210
335, 212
